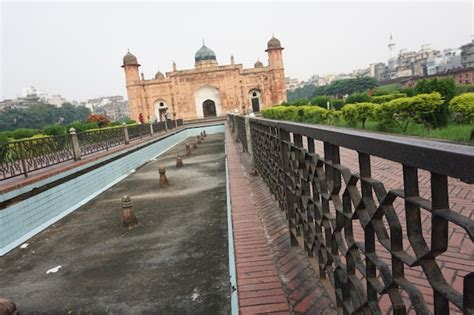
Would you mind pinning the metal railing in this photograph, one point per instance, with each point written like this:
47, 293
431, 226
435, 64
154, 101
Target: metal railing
22, 157
100, 140
33, 154
238, 124
325, 201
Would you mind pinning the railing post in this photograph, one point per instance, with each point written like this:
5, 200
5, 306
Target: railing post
125, 133
76, 149
247, 133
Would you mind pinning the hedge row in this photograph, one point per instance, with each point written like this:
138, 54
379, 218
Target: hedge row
399, 111
55, 130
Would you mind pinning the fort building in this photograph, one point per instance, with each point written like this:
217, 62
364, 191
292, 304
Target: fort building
207, 90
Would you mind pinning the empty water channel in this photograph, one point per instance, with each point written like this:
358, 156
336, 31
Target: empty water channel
175, 261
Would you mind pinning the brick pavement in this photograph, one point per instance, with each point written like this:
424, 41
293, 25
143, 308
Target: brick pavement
272, 276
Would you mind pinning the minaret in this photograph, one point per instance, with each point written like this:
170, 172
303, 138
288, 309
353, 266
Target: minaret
391, 45
277, 72
134, 89
130, 65
275, 55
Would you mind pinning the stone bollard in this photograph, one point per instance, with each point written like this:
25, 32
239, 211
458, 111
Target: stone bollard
188, 149
195, 146
179, 161
163, 180
7, 307
128, 216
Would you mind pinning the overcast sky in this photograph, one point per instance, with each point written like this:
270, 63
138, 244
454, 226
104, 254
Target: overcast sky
76, 49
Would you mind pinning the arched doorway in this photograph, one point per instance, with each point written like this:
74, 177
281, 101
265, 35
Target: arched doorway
209, 108
207, 101
255, 100
161, 108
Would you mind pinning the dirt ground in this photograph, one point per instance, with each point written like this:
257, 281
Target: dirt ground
174, 262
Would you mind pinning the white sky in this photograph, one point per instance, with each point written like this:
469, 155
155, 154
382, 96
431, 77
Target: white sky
76, 48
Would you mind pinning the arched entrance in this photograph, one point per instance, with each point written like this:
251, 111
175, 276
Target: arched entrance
207, 101
209, 108
255, 100
161, 108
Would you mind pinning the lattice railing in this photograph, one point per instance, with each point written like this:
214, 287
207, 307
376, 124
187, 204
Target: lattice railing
346, 220
24, 156
239, 122
21, 157
100, 140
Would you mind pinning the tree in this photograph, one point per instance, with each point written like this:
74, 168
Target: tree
101, 120
39, 115
306, 91
347, 86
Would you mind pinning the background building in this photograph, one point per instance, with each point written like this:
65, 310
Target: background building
114, 107
467, 55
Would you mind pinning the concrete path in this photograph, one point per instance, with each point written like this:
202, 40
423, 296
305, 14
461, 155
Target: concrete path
174, 262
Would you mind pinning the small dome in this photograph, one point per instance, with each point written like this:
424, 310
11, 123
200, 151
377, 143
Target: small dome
258, 64
130, 59
204, 53
273, 43
159, 75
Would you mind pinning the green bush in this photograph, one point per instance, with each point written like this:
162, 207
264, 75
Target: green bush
54, 130
447, 89
401, 111
23, 133
81, 127
359, 112
464, 88
337, 104
114, 123
461, 109
386, 98
358, 98
3, 138
315, 115
307, 113
320, 100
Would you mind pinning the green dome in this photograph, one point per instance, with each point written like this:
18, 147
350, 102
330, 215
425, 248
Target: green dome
204, 53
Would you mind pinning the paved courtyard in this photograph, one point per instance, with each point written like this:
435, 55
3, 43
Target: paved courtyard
174, 262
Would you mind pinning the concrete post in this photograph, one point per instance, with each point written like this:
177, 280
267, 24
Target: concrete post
125, 133
166, 124
76, 149
128, 216
249, 138
163, 179
151, 129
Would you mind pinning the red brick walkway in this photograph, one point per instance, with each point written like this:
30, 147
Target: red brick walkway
272, 276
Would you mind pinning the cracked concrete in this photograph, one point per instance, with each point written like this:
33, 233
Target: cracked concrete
174, 262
